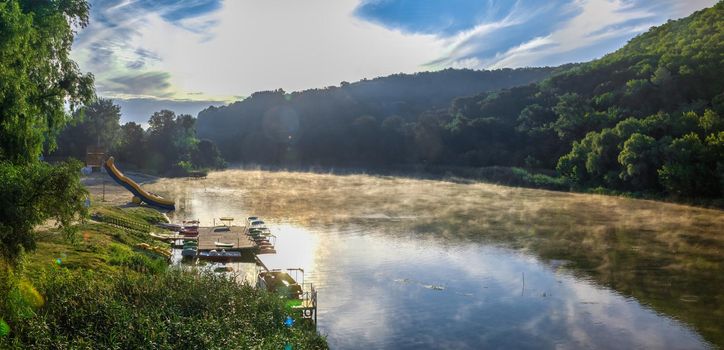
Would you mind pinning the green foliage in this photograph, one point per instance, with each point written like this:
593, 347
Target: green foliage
33, 193
122, 255
37, 76
169, 147
131, 143
379, 122
95, 125
639, 157
174, 309
690, 168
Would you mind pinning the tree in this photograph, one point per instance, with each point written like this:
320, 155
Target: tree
184, 139
640, 159
38, 80
207, 155
131, 147
688, 170
161, 132
96, 124
102, 117
37, 77
31, 194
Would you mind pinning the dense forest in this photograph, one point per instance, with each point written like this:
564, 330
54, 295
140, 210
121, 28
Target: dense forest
646, 118
168, 147
359, 123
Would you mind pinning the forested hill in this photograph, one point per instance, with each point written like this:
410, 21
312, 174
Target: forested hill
319, 118
646, 118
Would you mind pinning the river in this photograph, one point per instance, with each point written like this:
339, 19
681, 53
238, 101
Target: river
403, 263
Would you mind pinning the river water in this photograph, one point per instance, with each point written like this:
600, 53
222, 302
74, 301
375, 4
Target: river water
406, 263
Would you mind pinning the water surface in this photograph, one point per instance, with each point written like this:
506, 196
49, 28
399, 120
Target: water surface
404, 263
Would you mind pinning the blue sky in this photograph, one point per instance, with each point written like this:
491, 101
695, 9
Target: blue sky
188, 54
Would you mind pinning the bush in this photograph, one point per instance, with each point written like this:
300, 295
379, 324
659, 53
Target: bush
33, 193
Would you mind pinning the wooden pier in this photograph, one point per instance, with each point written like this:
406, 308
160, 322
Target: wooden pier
234, 235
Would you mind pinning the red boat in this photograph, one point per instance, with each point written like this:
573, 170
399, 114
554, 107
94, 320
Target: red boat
186, 231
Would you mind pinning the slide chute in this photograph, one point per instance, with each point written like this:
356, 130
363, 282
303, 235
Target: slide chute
146, 197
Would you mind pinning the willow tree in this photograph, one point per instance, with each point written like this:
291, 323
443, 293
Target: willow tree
38, 80
40, 88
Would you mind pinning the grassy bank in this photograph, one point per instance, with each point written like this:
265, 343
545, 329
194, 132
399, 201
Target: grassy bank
98, 290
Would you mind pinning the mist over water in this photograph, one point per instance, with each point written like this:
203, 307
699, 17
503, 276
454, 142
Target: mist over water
409, 263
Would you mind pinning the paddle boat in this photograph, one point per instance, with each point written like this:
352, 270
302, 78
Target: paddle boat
226, 220
191, 224
280, 282
223, 255
188, 252
257, 224
189, 231
224, 245
299, 296
267, 250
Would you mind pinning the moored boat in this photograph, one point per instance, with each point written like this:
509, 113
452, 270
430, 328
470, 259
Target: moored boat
300, 297
169, 226
224, 245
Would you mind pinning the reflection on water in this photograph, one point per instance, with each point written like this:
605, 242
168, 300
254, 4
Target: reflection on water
403, 263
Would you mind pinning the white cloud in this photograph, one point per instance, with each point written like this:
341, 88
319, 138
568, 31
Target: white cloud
594, 28
248, 46
596, 21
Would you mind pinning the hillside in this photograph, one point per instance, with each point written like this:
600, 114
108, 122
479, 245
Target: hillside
258, 129
644, 118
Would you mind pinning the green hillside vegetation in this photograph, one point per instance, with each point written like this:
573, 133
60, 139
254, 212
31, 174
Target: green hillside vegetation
646, 119
90, 291
366, 123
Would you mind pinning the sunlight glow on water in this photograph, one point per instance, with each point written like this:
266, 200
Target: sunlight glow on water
403, 266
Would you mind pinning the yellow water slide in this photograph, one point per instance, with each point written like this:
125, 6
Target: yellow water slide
146, 197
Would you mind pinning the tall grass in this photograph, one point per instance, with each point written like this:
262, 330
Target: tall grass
171, 310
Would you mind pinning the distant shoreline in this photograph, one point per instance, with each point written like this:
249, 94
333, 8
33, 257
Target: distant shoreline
496, 175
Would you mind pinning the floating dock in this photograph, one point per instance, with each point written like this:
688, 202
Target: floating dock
234, 238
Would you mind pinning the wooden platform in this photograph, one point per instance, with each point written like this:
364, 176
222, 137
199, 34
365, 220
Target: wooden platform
236, 235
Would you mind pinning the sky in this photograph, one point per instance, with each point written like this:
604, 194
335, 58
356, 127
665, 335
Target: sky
186, 55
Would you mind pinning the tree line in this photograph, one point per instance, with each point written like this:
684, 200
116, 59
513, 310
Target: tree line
366, 123
169, 146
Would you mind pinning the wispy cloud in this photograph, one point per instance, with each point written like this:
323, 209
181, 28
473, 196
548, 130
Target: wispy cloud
496, 33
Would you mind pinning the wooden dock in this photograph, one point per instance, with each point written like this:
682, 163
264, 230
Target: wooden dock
234, 235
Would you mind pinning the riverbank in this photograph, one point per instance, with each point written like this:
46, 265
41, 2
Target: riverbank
99, 289
497, 175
